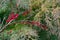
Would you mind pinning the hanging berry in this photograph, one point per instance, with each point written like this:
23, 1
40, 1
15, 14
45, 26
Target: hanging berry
25, 13
33, 22
44, 27
12, 16
39, 24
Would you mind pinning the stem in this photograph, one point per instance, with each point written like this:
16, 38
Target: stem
5, 26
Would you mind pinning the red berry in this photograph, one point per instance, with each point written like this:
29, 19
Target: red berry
44, 27
11, 17
38, 23
25, 13
33, 22
15, 16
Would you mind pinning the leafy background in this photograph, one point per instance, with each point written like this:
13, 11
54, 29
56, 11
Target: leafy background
46, 12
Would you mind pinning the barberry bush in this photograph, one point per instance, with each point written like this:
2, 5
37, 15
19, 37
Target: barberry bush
29, 19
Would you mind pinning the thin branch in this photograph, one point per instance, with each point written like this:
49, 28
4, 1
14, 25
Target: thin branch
5, 26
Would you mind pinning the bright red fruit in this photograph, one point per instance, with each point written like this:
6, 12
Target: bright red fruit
15, 16
12, 16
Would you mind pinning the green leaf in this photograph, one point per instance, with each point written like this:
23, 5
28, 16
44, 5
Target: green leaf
10, 27
18, 26
43, 35
53, 37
